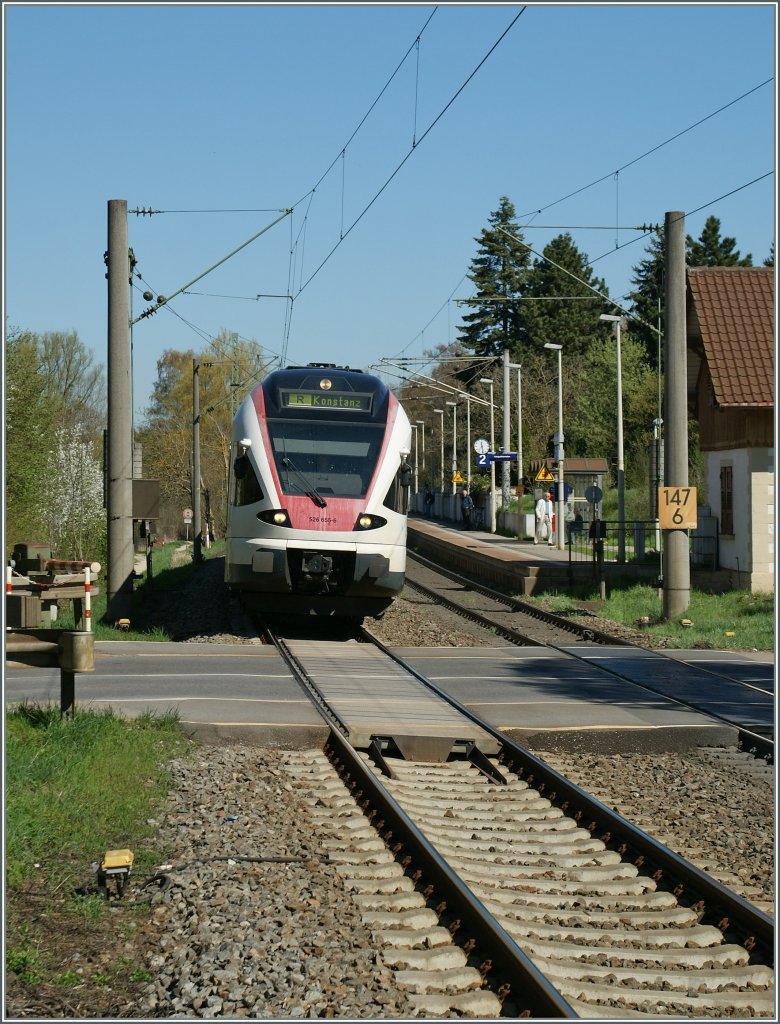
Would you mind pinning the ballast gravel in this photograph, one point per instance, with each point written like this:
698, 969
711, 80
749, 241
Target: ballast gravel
253, 917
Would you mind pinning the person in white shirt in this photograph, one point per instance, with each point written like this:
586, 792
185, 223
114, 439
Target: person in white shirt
544, 514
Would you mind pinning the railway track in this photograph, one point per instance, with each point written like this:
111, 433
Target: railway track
498, 887
517, 620
524, 624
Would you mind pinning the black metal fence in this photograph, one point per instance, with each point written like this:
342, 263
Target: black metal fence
635, 542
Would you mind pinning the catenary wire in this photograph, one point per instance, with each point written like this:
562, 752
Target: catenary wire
636, 159
430, 127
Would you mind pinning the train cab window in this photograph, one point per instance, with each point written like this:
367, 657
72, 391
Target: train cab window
246, 486
335, 459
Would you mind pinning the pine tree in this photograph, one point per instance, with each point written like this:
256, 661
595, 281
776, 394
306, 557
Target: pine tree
572, 319
648, 298
498, 271
710, 250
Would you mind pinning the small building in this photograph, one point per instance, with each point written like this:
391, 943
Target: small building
730, 343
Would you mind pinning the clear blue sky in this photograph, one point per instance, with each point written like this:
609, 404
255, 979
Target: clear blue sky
244, 107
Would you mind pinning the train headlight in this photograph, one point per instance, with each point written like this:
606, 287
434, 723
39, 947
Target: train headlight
365, 521
274, 516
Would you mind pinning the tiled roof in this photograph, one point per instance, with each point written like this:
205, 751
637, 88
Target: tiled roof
735, 310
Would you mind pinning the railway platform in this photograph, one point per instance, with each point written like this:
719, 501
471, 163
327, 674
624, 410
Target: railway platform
521, 565
525, 567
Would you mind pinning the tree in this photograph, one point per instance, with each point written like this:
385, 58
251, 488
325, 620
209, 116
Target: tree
710, 250
770, 260
226, 370
498, 271
648, 298
591, 428
29, 436
74, 382
75, 517
558, 305
54, 478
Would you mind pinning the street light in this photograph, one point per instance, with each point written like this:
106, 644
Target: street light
441, 414
519, 368
559, 531
422, 424
489, 380
454, 444
416, 463
621, 479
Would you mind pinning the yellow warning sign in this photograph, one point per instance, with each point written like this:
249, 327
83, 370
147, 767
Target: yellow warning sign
458, 479
544, 474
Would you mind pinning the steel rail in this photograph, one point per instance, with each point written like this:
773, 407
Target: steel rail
481, 620
760, 745
743, 923
514, 976
586, 632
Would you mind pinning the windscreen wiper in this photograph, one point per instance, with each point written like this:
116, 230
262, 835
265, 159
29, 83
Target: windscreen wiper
310, 490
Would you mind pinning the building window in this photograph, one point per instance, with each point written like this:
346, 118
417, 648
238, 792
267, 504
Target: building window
727, 499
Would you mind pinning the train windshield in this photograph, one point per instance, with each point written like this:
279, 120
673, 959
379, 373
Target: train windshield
332, 459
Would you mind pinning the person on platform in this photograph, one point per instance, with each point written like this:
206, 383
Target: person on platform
466, 508
544, 519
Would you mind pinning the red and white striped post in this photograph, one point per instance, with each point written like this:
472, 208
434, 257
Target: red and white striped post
87, 601
8, 584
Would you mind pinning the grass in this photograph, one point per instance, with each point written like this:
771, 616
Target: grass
171, 568
74, 789
736, 620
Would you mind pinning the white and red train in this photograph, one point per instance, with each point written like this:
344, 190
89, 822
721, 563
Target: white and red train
319, 490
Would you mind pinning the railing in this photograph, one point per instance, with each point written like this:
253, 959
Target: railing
634, 542
640, 542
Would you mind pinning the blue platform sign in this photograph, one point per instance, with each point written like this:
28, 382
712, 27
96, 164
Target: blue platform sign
484, 460
503, 456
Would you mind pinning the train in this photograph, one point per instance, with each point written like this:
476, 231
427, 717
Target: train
318, 494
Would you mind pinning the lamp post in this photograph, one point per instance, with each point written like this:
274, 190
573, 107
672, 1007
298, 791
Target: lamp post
519, 368
489, 380
416, 462
468, 445
441, 414
422, 424
454, 444
559, 531
621, 480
